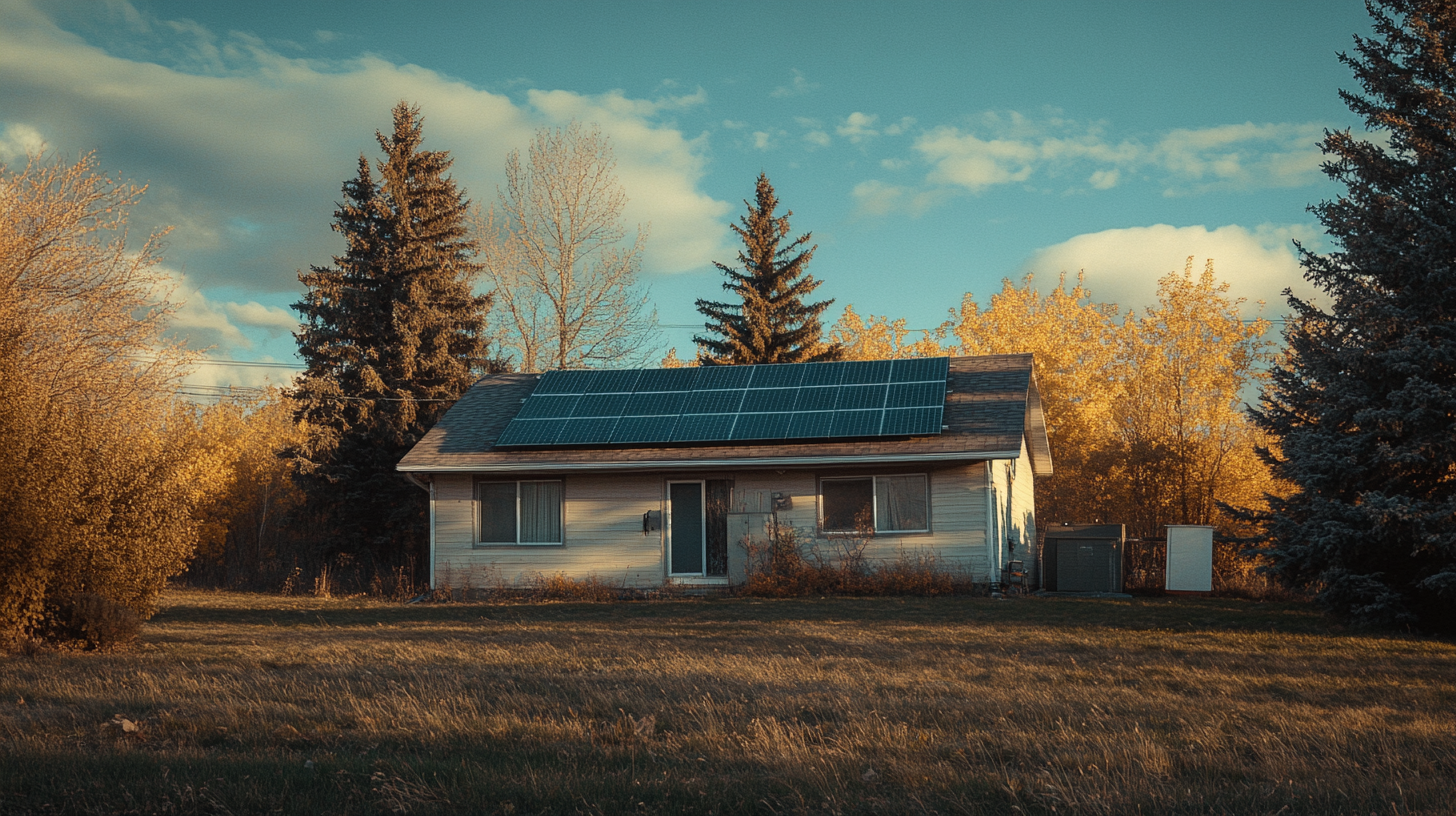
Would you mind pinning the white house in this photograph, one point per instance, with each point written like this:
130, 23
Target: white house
643, 475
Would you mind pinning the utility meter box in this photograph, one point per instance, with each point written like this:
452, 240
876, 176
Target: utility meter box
1190, 559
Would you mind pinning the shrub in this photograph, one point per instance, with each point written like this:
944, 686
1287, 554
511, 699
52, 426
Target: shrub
99, 622
793, 563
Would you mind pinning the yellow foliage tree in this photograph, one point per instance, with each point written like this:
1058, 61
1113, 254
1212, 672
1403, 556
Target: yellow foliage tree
1143, 412
244, 489
879, 338
96, 474
1074, 342
1185, 444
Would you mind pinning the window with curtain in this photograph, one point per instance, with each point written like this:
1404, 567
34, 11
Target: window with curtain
887, 504
519, 512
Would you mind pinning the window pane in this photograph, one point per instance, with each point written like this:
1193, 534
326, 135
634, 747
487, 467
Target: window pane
497, 512
847, 503
901, 503
540, 512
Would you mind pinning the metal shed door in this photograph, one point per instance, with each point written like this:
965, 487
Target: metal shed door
1086, 566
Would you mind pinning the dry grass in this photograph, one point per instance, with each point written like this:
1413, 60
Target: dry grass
255, 704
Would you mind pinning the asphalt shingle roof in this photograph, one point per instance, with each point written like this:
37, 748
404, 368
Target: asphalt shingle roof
991, 406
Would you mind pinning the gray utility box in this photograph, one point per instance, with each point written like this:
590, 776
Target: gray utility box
1082, 558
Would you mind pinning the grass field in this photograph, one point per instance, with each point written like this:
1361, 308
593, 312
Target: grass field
260, 704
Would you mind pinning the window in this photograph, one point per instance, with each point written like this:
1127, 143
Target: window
889, 504
519, 512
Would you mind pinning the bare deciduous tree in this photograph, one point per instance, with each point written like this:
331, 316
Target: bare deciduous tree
565, 279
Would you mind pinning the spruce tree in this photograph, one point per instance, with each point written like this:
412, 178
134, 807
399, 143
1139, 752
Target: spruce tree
1364, 406
393, 334
770, 323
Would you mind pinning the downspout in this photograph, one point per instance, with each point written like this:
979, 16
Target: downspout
991, 575
432, 535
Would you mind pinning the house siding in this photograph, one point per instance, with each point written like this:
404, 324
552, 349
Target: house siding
602, 534
603, 525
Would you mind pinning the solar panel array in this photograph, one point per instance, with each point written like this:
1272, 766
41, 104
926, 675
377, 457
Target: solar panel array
759, 403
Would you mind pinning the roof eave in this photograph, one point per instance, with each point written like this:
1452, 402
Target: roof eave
756, 463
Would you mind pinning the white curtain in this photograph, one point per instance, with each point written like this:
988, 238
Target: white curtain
540, 512
901, 503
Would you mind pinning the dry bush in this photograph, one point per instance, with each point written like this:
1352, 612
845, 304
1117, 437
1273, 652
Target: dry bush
560, 587
100, 623
99, 473
793, 563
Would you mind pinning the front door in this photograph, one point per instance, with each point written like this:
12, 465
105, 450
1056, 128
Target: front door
686, 526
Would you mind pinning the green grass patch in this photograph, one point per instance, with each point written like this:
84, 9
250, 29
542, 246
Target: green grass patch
260, 704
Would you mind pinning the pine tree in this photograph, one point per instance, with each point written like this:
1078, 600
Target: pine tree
771, 323
393, 335
1363, 405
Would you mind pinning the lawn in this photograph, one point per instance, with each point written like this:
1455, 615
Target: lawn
260, 704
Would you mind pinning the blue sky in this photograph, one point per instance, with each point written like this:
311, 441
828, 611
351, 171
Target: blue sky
931, 148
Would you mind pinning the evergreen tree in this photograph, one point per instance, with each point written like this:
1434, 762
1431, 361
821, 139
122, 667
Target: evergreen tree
1363, 405
771, 323
392, 336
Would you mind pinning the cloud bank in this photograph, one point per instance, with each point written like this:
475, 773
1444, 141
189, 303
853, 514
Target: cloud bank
1124, 265
245, 148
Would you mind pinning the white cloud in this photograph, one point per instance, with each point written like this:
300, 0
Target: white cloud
255, 314
18, 141
875, 198
1241, 156
894, 164
762, 140
899, 127
200, 321
858, 127
798, 86
1124, 265
1011, 149
817, 138
1104, 179
974, 163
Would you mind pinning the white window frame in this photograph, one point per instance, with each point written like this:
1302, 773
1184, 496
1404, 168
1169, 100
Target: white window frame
560, 509
874, 501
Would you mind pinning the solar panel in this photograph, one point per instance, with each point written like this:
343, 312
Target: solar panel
768, 399
547, 407
911, 422
732, 403
867, 371
916, 395
713, 402
600, 405
723, 377
856, 423
919, 369
667, 379
853, 397
597, 431
703, 428
530, 432
823, 373
613, 382
642, 429
810, 425
777, 376
655, 403
762, 426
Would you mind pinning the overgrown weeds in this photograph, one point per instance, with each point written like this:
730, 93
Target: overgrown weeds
794, 563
